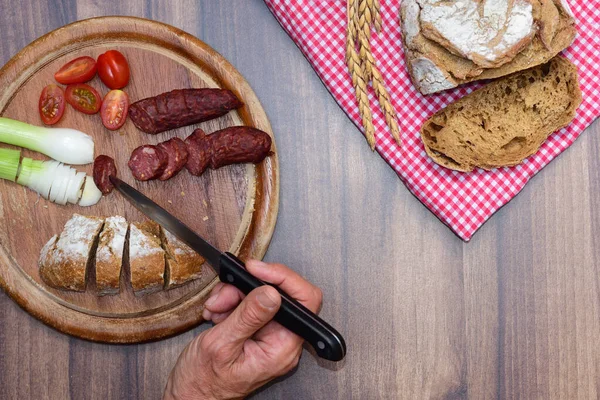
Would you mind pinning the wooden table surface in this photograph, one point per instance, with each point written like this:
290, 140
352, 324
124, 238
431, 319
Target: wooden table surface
512, 314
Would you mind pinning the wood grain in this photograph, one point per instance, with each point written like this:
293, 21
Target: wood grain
512, 314
234, 208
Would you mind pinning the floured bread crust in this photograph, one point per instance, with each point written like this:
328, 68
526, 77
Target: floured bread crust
454, 60
64, 259
490, 33
146, 258
109, 255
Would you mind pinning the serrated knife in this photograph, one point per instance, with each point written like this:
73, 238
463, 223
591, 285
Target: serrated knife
327, 342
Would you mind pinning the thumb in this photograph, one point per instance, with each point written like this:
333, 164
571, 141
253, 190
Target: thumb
255, 311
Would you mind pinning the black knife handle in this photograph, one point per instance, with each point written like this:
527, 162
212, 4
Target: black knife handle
327, 342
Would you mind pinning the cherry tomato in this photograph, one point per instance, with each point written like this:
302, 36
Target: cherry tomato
83, 98
113, 69
114, 109
52, 104
79, 70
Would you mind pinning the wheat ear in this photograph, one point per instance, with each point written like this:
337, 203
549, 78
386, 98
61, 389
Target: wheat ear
358, 79
376, 15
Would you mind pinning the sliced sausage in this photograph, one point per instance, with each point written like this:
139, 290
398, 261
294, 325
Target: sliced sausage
177, 157
147, 162
104, 166
181, 108
198, 152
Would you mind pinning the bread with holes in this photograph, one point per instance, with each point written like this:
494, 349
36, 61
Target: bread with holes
506, 121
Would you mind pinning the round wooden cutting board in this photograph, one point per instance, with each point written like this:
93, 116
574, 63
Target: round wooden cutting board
234, 208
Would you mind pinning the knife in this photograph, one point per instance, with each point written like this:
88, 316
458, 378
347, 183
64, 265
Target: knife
327, 342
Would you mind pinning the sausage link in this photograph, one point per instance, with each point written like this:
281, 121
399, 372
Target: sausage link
233, 145
181, 108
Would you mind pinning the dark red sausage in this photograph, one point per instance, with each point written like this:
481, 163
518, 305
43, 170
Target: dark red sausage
147, 162
181, 108
234, 145
177, 157
104, 166
198, 152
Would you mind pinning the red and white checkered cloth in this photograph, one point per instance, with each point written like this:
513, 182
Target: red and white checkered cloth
463, 201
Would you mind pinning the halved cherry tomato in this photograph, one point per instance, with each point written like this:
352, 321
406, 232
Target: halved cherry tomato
79, 70
113, 69
114, 109
83, 98
52, 104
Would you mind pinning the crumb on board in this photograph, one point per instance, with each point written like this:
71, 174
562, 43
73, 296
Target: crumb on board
45, 206
205, 218
169, 201
205, 203
183, 193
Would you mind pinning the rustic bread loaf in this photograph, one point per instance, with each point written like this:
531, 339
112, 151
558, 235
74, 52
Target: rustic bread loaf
183, 263
450, 43
109, 255
506, 121
146, 258
64, 259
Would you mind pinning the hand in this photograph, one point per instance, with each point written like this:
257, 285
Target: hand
245, 349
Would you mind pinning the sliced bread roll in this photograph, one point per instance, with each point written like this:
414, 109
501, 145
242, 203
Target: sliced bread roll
109, 255
146, 258
506, 121
183, 263
64, 259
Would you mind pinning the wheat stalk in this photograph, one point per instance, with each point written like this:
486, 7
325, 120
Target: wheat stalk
375, 7
391, 119
357, 74
363, 21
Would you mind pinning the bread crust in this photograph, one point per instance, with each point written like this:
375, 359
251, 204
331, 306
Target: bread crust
551, 38
183, 263
109, 255
146, 258
506, 121
65, 258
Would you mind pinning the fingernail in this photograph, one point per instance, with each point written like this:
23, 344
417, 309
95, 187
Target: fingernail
267, 298
206, 315
211, 299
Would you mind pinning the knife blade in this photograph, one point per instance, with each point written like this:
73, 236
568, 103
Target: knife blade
327, 342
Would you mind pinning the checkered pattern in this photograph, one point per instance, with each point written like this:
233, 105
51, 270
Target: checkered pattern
462, 201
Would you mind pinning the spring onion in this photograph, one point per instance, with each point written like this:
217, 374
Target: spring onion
66, 145
9, 164
91, 194
52, 180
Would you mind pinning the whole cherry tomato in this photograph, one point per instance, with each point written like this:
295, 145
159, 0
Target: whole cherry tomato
83, 98
52, 104
114, 109
79, 70
113, 69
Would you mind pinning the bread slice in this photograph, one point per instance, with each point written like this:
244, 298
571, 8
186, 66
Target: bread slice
433, 67
64, 259
109, 255
506, 121
183, 263
146, 258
